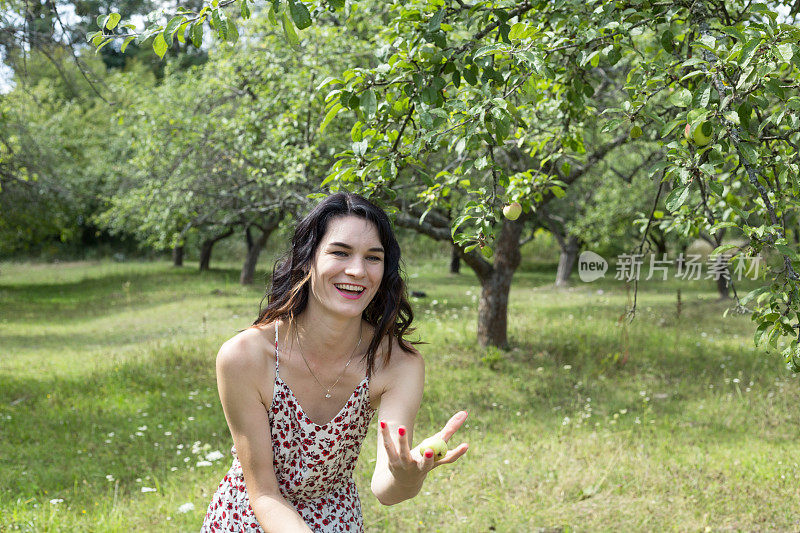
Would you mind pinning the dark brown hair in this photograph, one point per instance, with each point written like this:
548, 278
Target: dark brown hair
389, 311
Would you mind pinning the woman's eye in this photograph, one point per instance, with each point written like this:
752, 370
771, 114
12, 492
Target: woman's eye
337, 252
374, 258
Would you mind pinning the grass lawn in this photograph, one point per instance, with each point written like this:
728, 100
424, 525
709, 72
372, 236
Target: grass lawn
109, 407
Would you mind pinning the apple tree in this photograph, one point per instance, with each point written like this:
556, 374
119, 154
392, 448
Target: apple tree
504, 93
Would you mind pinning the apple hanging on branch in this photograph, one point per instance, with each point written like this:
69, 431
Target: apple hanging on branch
512, 211
701, 135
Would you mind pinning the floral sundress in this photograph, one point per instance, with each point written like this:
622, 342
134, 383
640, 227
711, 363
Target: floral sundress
313, 464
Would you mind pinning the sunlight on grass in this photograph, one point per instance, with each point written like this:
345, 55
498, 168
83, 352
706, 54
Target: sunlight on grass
111, 420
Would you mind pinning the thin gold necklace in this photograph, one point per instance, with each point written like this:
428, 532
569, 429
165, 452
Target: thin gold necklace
328, 391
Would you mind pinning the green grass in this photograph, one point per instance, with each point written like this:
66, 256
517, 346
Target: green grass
107, 386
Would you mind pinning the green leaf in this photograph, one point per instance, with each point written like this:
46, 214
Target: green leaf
469, 75
126, 43
197, 34
786, 52
102, 45
436, 21
752, 294
517, 31
557, 191
666, 41
160, 45
300, 14
327, 81
681, 98
232, 35
369, 103
245, 10
330, 116
677, 197
491, 49
668, 127
719, 250
336, 4
717, 188
289, 33
172, 26
112, 20
328, 179
787, 251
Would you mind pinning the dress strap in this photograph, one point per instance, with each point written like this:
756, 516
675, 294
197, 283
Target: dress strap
277, 356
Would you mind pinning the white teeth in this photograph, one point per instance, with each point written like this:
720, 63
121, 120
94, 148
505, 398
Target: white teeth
347, 287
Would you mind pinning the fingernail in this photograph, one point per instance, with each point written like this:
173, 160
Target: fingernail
402, 431
428, 454
383, 424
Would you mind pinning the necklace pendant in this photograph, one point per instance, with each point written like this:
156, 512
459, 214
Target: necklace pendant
328, 395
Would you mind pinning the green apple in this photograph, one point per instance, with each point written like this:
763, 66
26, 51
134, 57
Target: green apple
512, 211
702, 134
437, 444
636, 132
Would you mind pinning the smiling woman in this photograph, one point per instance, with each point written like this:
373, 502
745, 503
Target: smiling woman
300, 386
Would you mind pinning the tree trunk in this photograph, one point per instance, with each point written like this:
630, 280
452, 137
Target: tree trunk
723, 288
566, 260
207, 246
254, 250
455, 260
495, 287
177, 255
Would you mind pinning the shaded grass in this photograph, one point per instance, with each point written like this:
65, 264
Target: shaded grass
692, 431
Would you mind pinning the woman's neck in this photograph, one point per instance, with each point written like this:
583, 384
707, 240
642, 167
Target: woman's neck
328, 337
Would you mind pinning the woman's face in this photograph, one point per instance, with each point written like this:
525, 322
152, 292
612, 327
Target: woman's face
348, 266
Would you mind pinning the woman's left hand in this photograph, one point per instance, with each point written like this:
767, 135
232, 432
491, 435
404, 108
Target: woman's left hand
410, 468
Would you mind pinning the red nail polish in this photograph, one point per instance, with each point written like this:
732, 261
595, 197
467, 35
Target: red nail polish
383, 424
402, 431
428, 454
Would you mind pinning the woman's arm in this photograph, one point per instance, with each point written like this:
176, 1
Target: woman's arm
399, 474
237, 379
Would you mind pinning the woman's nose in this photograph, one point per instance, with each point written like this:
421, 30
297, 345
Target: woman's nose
355, 267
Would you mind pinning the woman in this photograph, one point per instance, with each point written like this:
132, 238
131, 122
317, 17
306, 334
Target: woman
300, 386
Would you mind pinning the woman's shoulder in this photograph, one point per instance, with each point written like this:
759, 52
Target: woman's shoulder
250, 352
400, 362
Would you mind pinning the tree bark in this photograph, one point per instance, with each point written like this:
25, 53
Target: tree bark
496, 285
177, 255
455, 260
208, 245
566, 260
254, 250
723, 288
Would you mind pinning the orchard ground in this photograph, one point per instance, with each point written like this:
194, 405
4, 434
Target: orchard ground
111, 418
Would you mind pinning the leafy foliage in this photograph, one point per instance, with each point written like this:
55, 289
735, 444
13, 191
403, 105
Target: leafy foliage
486, 85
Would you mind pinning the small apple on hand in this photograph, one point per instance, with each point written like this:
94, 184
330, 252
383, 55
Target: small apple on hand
435, 444
409, 468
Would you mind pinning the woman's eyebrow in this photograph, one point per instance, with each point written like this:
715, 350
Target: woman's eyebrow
347, 246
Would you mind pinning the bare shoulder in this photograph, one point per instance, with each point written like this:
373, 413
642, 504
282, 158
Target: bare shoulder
248, 356
403, 366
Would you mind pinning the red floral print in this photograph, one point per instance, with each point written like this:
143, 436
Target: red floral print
313, 464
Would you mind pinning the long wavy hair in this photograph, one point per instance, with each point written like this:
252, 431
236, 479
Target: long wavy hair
389, 311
